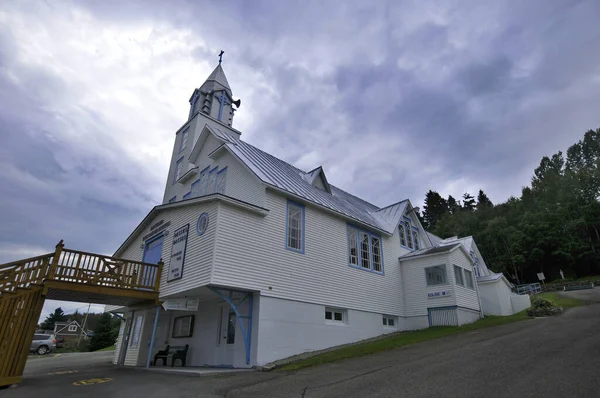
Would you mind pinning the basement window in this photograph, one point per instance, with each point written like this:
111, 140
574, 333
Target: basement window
335, 316
389, 321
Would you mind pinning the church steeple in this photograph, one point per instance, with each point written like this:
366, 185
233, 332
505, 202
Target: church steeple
214, 97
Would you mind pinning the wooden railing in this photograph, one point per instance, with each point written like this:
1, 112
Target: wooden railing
74, 266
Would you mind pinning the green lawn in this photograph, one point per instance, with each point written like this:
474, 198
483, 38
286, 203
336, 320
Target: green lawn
111, 348
400, 340
560, 301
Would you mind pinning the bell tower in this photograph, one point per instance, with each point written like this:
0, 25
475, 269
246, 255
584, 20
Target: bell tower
214, 97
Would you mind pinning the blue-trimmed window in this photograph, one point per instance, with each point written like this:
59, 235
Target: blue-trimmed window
210, 184
183, 140
178, 170
294, 239
173, 199
409, 234
364, 250
221, 180
187, 195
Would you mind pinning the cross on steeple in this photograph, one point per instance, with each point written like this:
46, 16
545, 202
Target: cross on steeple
221, 56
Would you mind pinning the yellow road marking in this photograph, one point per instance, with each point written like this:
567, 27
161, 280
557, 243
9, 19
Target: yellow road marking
91, 381
57, 355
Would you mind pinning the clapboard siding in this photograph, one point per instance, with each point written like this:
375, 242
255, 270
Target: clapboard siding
240, 182
118, 343
465, 297
194, 130
250, 253
132, 358
198, 257
415, 289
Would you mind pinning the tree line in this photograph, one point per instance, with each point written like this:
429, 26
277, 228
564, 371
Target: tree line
554, 225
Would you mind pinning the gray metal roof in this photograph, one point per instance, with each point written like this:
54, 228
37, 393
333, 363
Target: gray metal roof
217, 76
430, 250
284, 176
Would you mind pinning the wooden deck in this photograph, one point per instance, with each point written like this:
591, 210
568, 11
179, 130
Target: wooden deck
69, 275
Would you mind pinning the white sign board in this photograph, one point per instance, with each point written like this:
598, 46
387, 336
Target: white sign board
178, 253
541, 276
181, 304
439, 294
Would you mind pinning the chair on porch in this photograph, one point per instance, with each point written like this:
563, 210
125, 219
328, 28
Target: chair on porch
175, 352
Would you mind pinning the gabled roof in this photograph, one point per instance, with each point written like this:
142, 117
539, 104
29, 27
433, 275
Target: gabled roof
206, 131
315, 174
217, 76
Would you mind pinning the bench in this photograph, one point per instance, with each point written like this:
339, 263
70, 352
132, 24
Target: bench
579, 287
175, 352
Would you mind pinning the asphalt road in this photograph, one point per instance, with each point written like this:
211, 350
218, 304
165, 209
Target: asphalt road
549, 357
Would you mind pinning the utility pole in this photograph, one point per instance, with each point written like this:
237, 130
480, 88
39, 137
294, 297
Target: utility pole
83, 326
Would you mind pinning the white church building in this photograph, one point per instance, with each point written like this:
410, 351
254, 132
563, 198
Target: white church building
263, 260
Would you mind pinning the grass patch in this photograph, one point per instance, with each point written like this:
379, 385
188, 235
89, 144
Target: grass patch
400, 340
111, 348
561, 301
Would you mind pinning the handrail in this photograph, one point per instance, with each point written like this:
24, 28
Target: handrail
76, 266
25, 260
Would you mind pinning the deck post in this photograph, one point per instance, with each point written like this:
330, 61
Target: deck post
151, 349
158, 275
55, 259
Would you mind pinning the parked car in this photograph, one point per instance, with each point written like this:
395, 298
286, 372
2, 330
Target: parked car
43, 344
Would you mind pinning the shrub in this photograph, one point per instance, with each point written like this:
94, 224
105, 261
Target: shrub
542, 307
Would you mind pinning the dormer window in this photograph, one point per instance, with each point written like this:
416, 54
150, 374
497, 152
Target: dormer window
409, 235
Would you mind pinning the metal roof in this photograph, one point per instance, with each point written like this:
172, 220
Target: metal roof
430, 250
218, 76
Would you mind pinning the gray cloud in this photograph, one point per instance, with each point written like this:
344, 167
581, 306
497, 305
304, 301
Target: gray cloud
392, 99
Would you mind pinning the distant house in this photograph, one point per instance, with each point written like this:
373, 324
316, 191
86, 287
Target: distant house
69, 330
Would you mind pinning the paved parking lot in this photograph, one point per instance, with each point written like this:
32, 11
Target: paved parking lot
550, 357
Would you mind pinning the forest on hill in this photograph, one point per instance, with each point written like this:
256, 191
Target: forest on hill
554, 225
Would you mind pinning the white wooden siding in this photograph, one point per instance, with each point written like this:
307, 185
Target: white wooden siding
466, 316
250, 253
133, 353
465, 297
199, 250
240, 182
118, 343
177, 189
415, 289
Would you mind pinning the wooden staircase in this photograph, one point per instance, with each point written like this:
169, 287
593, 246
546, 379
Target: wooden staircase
63, 275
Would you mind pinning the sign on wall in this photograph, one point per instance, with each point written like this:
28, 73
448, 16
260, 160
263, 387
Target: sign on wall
178, 253
445, 293
181, 304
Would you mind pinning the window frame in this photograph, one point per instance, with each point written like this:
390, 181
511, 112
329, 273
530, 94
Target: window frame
445, 282
178, 332
183, 140
469, 284
359, 253
386, 321
178, 172
333, 320
302, 208
72, 328
406, 234
173, 199
459, 278
221, 177
352, 242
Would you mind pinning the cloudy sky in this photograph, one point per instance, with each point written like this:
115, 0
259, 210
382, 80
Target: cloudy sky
392, 98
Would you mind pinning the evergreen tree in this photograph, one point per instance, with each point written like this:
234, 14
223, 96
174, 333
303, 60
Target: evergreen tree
433, 210
57, 316
468, 202
483, 202
453, 205
104, 333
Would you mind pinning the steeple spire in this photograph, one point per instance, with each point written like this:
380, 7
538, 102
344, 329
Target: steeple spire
214, 97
